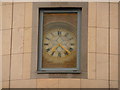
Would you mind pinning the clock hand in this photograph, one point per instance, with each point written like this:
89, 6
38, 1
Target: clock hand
53, 49
64, 48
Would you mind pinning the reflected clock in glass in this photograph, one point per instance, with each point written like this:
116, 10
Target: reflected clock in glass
59, 45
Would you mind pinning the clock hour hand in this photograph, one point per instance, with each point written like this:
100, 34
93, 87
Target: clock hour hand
64, 48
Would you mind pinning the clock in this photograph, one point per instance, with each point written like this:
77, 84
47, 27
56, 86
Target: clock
59, 42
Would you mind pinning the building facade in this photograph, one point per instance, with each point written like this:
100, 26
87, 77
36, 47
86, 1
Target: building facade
103, 51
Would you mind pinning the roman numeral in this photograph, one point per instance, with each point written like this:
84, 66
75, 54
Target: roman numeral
59, 33
48, 49
66, 53
45, 43
72, 44
70, 49
71, 38
47, 38
59, 54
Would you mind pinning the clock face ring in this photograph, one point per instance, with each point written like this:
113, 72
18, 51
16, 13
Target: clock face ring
59, 42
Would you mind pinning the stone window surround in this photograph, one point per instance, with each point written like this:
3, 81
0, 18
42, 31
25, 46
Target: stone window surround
84, 40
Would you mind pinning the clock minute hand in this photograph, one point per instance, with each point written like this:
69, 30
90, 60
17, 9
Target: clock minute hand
53, 49
64, 48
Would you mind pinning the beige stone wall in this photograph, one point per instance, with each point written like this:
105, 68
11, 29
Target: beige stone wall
102, 48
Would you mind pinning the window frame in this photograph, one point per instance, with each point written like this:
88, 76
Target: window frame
40, 40
84, 41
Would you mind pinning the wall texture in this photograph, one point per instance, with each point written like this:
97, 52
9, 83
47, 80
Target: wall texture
103, 53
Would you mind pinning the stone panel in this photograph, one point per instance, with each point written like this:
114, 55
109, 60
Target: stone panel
26, 65
47, 83
114, 41
91, 66
6, 16
103, 14
23, 83
1, 17
113, 15
113, 67
28, 14
5, 67
69, 83
5, 84
17, 40
1, 42
92, 40
102, 66
16, 66
102, 40
92, 14
6, 42
113, 84
27, 40
86, 83
18, 15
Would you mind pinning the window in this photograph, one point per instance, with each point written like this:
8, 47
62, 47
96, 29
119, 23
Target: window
64, 17
59, 41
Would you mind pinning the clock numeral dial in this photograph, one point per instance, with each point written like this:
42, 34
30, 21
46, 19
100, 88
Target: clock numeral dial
59, 43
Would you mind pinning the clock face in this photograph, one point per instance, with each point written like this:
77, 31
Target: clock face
59, 43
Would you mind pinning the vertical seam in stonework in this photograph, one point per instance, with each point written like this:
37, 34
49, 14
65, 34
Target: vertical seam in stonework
109, 46
58, 83
96, 44
11, 45
80, 82
36, 84
24, 13
23, 43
